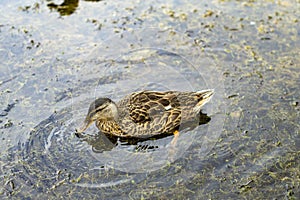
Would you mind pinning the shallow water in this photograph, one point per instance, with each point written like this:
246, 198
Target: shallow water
55, 60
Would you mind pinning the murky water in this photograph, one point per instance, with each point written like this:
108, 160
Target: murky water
56, 58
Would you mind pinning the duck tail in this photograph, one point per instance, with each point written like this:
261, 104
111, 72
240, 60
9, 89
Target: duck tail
204, 96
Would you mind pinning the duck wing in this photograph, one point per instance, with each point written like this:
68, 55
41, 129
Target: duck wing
153, 106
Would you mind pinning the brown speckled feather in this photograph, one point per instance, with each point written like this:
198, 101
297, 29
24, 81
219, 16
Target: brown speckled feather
151, 113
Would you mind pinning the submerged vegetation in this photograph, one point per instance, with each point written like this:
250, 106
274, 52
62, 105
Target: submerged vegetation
56, 58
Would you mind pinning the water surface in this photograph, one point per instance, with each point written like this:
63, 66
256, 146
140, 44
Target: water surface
58, 57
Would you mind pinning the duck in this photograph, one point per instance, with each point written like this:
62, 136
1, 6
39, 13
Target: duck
146, 114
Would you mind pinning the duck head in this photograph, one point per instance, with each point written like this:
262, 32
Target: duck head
101, 109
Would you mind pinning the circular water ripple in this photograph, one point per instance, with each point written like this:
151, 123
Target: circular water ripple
55, 161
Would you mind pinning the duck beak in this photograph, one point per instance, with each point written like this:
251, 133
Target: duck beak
87, 123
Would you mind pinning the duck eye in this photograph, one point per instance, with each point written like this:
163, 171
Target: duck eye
101, 108
96, 110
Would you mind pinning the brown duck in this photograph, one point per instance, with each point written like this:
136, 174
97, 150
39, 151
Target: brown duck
147, 113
